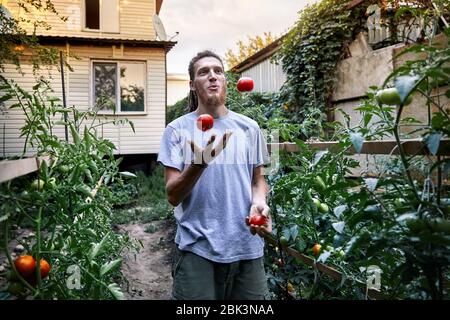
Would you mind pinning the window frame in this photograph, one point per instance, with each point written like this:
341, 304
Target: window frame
99, 30
84, 28
118, 94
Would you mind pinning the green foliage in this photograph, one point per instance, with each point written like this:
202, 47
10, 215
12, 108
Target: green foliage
68, 210
177, 110
15, 40
246, 50
148, 202
397, 220
309, 55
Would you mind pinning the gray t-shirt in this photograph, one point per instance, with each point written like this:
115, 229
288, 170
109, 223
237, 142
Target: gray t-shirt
211, 219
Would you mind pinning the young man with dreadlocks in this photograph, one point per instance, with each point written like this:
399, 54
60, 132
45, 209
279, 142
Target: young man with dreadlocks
215, 188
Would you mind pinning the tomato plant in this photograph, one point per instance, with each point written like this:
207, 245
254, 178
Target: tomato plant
67, 203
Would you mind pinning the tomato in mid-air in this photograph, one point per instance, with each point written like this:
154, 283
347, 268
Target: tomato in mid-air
258, 220
205, 122
245, 84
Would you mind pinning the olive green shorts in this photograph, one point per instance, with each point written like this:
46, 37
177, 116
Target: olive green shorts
197, 278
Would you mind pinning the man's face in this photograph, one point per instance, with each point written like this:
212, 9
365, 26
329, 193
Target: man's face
209, 82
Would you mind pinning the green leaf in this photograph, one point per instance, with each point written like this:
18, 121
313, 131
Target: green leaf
75, 135
357, 140
438, 120
367, 118
5, 97
433, 141
110, 266
116, 292
97, 248
126, 174
404, 85
318, 156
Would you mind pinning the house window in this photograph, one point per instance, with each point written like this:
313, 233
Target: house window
102, 15
92, 14
119, 86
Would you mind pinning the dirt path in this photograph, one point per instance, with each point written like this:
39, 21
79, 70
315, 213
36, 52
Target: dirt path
149, 271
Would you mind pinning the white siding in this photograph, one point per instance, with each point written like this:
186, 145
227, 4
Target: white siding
177, 88
267, 77
149, 126
135, 19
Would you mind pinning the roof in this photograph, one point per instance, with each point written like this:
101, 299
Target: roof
167, 45
178, 76
259, 56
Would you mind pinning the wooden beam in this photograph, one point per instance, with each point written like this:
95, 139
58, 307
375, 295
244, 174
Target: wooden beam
11, 169
387, 147
354, 3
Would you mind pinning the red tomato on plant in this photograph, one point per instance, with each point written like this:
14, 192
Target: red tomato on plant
316, 249
245, 84
258, 220
205, 122
45, 268
25, 265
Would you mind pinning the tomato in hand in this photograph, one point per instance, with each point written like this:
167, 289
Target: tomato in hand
258, 220
245, 84
205, 122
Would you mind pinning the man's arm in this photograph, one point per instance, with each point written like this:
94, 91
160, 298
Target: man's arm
180, 184
260, 189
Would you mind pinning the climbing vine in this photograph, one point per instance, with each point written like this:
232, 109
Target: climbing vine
310, 53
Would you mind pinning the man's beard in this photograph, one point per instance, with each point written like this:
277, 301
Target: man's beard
215, 100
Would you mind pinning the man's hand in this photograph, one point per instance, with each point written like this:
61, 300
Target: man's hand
262, 209
205, 156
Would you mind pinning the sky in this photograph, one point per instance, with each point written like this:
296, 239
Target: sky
219, 24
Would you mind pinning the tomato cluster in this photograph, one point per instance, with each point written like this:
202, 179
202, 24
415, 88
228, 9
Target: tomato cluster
26, 266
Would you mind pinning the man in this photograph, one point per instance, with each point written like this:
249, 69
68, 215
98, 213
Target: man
215, 189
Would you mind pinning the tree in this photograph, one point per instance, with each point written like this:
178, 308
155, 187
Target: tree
246, 50
14, 39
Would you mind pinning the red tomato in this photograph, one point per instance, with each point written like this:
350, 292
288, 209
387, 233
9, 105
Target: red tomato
316, 249
25, 265
245, 84
205, 122
45, 268
258, 220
